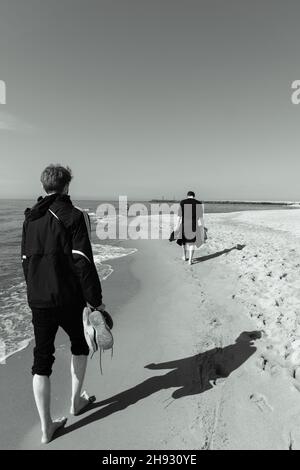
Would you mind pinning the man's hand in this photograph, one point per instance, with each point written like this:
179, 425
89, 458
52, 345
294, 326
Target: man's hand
101, 308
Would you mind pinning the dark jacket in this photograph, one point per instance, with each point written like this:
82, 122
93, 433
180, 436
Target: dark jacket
190, 210
57, 255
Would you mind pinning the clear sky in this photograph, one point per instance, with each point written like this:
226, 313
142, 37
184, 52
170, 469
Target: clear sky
151, 97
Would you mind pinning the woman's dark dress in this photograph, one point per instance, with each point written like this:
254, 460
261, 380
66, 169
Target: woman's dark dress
189, 232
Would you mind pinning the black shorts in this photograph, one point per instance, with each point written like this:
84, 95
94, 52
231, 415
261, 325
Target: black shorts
46, 322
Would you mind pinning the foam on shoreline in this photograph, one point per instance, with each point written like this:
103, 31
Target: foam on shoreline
16, 329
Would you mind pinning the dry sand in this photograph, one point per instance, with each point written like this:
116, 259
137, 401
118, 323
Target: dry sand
206, 356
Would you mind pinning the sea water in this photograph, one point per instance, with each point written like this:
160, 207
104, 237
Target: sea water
15, 316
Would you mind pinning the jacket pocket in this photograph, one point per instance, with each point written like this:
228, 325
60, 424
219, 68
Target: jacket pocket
50, 281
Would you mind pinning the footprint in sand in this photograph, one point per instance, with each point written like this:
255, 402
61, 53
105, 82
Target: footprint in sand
215, 322
262, 363
297, 386
283, 276
261, 402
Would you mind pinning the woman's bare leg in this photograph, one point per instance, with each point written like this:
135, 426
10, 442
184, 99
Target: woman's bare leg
191, 253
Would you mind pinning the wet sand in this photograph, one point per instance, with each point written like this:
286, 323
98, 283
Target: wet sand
206, 356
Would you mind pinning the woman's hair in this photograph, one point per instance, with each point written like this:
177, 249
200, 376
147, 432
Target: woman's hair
54, 178
191, 193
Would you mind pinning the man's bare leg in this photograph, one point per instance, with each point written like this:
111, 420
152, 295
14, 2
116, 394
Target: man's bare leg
41, 391
79, 400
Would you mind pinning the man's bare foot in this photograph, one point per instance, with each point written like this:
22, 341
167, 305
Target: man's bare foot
84, 401
48, 434
184, 258
190, 262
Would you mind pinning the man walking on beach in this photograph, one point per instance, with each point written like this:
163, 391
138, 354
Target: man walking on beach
61, 279
190, 213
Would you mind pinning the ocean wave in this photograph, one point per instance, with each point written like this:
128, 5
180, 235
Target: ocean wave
104, 253
16, 330
15, 320
107, 252
5, 355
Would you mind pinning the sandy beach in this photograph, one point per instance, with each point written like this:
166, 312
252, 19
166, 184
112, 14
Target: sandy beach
206, 356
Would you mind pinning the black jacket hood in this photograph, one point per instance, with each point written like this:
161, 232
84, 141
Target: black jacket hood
43, 204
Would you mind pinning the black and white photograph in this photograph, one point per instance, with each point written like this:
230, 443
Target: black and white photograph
149, 227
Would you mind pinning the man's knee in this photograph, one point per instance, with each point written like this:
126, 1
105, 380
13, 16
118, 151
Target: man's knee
42, 364
79, 347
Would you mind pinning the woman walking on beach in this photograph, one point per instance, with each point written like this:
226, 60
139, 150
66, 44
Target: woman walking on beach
190, 225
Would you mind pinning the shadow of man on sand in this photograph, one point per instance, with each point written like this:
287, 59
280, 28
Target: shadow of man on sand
190, 376
200, 259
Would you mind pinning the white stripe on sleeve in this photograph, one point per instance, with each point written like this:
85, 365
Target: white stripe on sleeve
77, 252
53, 214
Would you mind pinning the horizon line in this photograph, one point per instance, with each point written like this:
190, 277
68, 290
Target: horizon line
159, 200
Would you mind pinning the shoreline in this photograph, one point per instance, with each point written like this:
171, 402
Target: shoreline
15, 374
109, 262
108, 266
227, 326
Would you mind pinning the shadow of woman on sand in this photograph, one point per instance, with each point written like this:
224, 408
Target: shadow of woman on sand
200, 259
190, 376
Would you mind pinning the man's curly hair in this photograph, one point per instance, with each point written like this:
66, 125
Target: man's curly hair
54, 178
